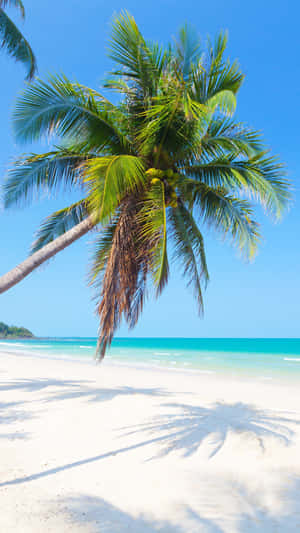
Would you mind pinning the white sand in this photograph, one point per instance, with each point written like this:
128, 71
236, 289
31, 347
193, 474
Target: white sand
114, 449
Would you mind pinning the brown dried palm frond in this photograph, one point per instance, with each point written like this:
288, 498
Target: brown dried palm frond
125, 267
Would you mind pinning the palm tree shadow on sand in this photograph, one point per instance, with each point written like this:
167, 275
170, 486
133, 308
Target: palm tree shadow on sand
185, 429
284, 517
252, 517
104, 517
9, 414
64, 389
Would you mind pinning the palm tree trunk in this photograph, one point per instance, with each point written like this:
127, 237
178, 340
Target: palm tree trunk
18, 273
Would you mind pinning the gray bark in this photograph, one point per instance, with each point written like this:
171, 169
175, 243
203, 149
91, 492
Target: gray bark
18, 273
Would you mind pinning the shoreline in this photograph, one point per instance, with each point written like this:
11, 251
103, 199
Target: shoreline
245, 375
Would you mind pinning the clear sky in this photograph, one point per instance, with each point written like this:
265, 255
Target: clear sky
260, 299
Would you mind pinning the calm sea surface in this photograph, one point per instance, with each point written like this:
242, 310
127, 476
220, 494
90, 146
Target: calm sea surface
265, 358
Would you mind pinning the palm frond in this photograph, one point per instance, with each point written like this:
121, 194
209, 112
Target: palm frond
217, 48
123, 282
224, 101
110, 179
213, 74
126, 44
59, 107
225, 137
259, 176
230, 215
153, 220
104, 244
15, 44
187, 50
158, 58
117, 84
171, 122
189, 249
58, 223
227, 77
13, 3
223, 75
37, 173
102, 248
141, 62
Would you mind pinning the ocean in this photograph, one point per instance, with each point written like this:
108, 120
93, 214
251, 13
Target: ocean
262, 358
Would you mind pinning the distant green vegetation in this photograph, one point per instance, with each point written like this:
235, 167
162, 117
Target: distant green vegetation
11, 332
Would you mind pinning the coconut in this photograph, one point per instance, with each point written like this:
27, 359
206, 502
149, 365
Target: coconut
155, 181
151, 171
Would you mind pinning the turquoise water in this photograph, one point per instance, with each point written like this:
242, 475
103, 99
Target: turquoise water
265, 358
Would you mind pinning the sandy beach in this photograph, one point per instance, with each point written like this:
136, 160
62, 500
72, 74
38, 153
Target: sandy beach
110, 448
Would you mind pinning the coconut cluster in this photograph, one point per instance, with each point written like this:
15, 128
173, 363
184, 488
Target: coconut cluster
169, 178
158, 174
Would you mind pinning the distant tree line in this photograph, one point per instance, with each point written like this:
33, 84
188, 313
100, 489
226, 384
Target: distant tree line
13, 331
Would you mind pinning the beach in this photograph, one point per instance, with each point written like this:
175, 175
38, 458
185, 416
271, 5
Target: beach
112, 448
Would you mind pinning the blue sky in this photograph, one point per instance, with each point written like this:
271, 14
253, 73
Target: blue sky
260, 299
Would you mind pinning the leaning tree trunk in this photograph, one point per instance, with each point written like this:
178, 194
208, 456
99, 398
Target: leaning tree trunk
49, 250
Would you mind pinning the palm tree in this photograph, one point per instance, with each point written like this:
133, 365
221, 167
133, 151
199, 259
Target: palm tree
12, 40
153, 169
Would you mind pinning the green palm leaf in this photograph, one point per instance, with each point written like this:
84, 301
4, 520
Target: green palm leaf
259, 176
224, 137
58, 223
187, 50
13, 3
232, 216
224, 101
127, 45
189, 249
110, 179
59, 107
171, 122
13, 41
153, 219
142, 61
213, 74
38, 173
